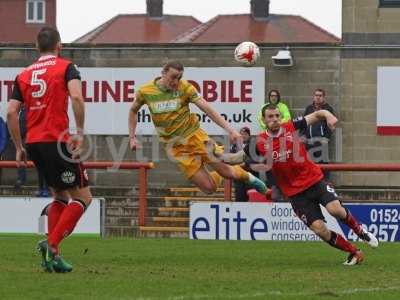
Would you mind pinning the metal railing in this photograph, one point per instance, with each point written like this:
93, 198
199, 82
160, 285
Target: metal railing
143, 167
333, 167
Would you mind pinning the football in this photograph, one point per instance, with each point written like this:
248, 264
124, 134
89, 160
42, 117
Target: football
247, 53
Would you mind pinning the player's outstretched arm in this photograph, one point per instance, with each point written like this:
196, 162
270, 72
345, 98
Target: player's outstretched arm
132, 122
321, 115
220, 121
14, 106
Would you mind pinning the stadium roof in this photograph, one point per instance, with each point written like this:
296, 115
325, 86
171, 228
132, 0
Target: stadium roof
273, 29
140, 28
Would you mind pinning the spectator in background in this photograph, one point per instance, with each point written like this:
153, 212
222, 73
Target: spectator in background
3, 140
21, 171
3, 135
318, 134
274, 97
43, 190
240, 187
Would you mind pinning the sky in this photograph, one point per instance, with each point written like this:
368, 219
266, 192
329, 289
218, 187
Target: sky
77, 17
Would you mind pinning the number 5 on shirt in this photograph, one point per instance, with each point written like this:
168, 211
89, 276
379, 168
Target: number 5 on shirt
36, 81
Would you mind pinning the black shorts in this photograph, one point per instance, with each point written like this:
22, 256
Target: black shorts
54, 161
306, 205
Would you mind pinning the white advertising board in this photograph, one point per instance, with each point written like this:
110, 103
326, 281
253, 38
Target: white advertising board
235, 92
251, 221
21, 215
388, 104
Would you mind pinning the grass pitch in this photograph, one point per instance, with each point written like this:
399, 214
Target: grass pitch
179, 269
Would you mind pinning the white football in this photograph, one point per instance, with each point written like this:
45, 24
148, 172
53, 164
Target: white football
247, 53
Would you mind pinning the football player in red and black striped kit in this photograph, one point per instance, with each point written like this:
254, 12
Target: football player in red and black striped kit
280, 150
43, 88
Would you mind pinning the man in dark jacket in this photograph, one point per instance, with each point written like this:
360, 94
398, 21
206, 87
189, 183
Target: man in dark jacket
319, 134
240, 187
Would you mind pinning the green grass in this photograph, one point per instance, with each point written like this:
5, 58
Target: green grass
179, 269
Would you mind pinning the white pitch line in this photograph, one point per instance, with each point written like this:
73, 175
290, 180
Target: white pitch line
276, 293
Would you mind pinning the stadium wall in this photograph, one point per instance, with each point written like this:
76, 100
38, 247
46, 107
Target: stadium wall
370, 22
371, 39
350, 83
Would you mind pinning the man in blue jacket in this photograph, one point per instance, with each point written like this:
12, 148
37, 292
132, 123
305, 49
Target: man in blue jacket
21, 171
319, 134
3, 140
3, 136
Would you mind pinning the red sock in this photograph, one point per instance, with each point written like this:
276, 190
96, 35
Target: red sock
54, 212
353, 223
66, 224
341, 243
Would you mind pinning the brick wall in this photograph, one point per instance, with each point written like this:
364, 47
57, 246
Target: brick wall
371, 36
13, 26
365, 16
364, 22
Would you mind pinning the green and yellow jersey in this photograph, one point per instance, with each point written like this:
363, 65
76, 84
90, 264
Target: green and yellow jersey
170, 109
